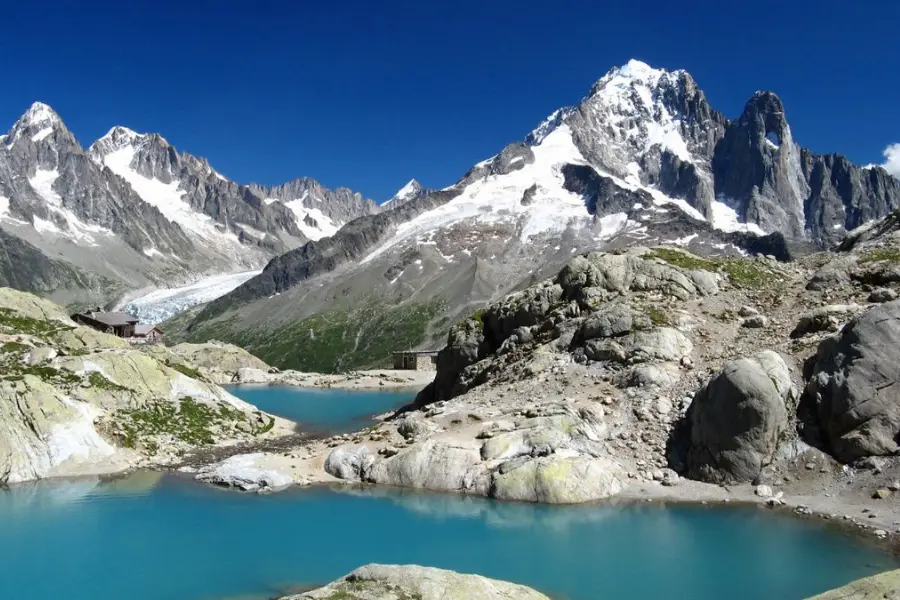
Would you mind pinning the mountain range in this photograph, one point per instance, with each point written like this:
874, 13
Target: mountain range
132, 212
643, 159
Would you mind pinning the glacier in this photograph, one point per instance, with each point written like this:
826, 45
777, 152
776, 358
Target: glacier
160, 305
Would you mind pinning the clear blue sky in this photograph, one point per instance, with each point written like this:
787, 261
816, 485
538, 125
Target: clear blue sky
367, 94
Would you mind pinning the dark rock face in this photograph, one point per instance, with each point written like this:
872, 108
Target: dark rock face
854, 385
736, 419
24, 267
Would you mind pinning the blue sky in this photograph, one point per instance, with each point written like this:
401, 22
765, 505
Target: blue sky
369, 94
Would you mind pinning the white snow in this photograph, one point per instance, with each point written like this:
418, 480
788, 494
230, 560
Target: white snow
39, 113
496, 198
160, 305
4, 206
684, 241
169, 200
725, 218
151, 252
627, 99
326, 227
78, 231
43, 133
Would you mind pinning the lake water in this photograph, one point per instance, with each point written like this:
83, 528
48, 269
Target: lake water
324, 410
152, 537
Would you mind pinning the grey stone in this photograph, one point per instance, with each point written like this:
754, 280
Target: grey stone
854, 385
393, 582
883, 295
349, 463
737, 418
755, 322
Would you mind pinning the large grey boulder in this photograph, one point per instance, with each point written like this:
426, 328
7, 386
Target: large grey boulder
400, 582
736, 419
558, 480
432, 465
854, 385
349, 463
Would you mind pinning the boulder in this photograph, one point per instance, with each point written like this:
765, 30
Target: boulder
248, 472
393, 582
882, 295
411, 427
349, 463
755, 322
432, 465
854, 388
824, 318
558, 480
736, 419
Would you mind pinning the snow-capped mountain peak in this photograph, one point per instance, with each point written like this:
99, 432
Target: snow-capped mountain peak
37, 123
40, 114
409, 191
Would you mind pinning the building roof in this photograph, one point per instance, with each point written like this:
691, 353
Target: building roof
145, 329
112, 319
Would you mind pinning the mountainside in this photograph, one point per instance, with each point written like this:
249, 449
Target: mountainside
134, 211
642, 160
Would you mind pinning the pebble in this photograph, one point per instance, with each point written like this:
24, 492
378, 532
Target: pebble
881, 533
810, 466
894, 486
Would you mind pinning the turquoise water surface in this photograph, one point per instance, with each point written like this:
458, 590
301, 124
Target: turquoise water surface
327, 411
152, 537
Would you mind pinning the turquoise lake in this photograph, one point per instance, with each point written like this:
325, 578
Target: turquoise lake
327, 411
152, 537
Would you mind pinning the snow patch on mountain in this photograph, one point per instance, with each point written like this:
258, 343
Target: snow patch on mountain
305, 216
725, 218
77, 230
497, 198
160, 305
43, 133
167, 197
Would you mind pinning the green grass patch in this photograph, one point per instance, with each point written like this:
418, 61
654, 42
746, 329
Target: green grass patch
880, 254
683, 260
14, 348
657, 316
185, 370
97, 380
188, 421
13, 322
742, 272
337, 340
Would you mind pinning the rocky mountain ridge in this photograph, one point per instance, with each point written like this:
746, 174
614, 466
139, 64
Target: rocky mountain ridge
134, 210
642, 160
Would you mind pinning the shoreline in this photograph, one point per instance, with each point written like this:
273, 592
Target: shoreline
370, 380
701, 495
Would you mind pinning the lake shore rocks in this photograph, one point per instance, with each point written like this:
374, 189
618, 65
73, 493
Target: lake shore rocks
398, 582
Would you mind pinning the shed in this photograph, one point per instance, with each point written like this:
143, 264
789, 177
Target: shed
147, 334
416, 360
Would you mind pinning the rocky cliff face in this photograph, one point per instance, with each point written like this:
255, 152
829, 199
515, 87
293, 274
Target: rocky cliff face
77, 401
135, 210
643, 159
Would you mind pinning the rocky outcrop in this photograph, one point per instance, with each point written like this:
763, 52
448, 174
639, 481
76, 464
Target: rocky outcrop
255, 472
573, 310
738, 418
393, 582
853, 385
77, 401
884, 586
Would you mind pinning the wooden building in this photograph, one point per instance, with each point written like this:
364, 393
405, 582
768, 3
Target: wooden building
116, 323
413, 360
146, 334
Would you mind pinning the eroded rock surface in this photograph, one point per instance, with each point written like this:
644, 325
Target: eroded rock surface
403, 582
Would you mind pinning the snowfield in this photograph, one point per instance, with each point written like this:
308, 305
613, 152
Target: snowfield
160, 305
